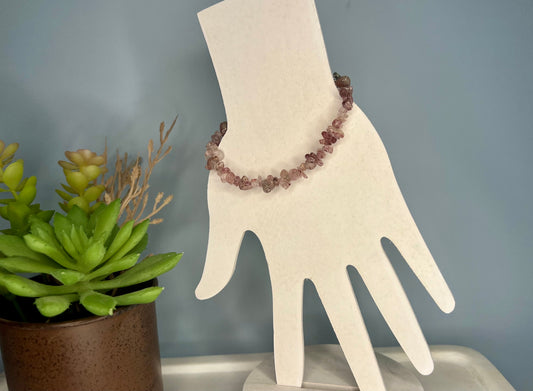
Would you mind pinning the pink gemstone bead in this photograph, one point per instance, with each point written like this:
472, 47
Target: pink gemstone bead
245, 183
321, 154
294, 174
223, 127
218, 154
216, 138
230, 177
336, 123
211, 163
338, 134
284, 183
348, 105
268, 184
309, 165
343, 81
327, 148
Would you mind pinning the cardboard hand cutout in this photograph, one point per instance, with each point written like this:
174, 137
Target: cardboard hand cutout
279, 95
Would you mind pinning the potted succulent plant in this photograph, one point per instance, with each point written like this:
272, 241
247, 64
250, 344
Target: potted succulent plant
76, 302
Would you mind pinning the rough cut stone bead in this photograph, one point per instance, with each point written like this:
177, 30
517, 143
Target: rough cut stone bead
237, 180
336, 123
284, 174
284, 183
347, 105
327, 148
211, 163
294, 174
309, 165
223, 127
215, 153
328, 138
311, 160
245, 183
268, 184
216, 138
343, 81
321, 154
345, 91
338, 134
343, 117
230, 177
342, 111
302, 169
254, 182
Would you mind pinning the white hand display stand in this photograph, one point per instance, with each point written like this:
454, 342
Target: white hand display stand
273, 71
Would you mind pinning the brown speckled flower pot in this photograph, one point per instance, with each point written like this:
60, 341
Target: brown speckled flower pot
112, 353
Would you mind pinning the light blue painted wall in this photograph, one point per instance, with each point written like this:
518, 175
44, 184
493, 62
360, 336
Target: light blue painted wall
447, 84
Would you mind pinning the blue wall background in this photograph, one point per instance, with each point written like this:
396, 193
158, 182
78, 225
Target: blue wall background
447, 84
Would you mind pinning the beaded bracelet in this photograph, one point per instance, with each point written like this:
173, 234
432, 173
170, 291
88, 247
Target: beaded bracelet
330, 136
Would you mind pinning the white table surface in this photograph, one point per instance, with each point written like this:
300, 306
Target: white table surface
456, 369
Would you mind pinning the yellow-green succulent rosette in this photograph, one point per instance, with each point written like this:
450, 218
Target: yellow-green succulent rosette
89, 254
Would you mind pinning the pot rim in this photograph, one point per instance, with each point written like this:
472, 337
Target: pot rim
66, 323
71, 323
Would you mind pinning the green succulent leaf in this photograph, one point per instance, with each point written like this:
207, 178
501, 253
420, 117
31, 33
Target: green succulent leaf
28, 192
53, 251
80, 202
22, 286
93, 192
93, 218
142, 296
98, 303
68, 245
17, 213
141, 246
113, 267
79, 218
43, 231
63, 226
106, 220
13, 174
66, 276
93, 255
43, 215
51, 306
63, 194
14, 246
3, 212
79, 238
120, 239
135, 238
76, 181
145, 270
27, 265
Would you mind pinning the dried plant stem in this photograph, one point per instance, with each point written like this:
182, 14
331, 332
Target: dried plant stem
131, 184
